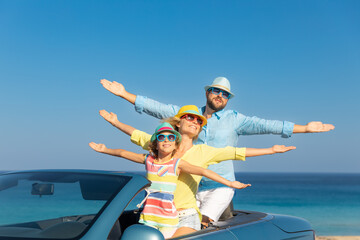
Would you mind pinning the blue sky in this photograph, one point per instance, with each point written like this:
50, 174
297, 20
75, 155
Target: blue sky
288, 60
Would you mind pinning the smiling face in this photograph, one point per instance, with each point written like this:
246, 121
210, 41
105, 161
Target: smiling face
190, 128
166, 147
215, 102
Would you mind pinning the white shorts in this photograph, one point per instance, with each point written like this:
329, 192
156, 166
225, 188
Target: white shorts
213, 202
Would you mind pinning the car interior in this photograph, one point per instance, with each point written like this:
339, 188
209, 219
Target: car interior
230, 217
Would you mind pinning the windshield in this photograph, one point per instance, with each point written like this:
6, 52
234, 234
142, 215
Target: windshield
53, 205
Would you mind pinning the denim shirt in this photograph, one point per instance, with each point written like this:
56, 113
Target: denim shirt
222, 129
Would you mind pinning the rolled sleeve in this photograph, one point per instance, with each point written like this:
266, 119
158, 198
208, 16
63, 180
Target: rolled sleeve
155, 108
139, 104
141, 138
287, 129
240, 154
255, 125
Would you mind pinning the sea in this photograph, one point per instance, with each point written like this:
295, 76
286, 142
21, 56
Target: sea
329, 201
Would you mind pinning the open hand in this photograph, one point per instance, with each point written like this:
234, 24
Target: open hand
239, 185
98, 147
282, 148
319, 127
110, 117
114, 87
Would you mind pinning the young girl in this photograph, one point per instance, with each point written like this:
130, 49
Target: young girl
163, 171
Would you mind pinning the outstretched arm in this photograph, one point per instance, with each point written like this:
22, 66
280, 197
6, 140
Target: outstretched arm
135, 157
252, 152
191, 169
119, 90
254, 125
313, 127
136, 136
113, 120
142, 104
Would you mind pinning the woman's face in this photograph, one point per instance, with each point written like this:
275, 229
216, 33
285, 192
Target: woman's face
189, 126
164, 145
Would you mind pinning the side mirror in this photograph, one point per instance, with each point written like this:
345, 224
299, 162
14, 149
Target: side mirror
42, 189
138, 231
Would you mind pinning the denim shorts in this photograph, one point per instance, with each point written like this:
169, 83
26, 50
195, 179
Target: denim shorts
189, 218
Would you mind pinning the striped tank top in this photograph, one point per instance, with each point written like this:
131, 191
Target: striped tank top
159, 209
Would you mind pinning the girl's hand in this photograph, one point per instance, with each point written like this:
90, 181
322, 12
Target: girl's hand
98, 147
282, 148
110, 117
239, 185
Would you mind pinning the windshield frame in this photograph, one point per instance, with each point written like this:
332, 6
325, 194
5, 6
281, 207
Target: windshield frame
123, 179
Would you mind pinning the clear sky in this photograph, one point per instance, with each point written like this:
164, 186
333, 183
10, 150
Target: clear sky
288, 60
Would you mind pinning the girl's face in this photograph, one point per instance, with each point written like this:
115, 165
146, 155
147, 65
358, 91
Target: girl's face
189, 127
166, 146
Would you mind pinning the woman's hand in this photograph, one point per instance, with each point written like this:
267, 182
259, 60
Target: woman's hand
110, 117
239, 185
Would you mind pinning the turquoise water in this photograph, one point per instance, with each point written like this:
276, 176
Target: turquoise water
330, 202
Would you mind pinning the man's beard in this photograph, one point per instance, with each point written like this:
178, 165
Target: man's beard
213, 107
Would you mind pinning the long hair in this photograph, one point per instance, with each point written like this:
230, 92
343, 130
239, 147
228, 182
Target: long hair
174, 122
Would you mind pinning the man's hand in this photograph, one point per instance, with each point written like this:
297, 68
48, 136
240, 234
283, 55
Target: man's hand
114, 87
282, 148
239, 185
313, 127
98, 147
110, 117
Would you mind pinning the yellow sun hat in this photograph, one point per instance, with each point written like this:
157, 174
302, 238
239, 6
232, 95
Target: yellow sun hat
193, 110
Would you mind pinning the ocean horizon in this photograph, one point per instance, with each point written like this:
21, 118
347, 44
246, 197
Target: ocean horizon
329, 201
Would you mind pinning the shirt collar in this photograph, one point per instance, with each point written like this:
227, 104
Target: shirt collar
217, 114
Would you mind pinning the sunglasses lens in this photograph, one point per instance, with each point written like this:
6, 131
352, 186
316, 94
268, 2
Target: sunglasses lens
226, 94
216, 91
189, 117
160, 137
171, 137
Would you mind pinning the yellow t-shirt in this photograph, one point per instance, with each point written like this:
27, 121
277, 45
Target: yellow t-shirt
199, 155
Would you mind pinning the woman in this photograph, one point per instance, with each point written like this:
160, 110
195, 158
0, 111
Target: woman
189, 122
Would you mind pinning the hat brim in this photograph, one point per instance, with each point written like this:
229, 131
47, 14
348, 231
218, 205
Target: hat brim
179, 115
220, 87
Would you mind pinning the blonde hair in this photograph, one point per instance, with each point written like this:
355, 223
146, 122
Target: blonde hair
175, 121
